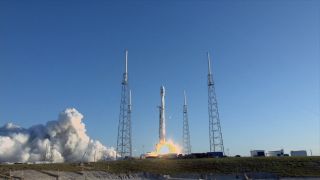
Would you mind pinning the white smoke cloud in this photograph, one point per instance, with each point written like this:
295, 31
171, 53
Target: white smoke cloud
63, 140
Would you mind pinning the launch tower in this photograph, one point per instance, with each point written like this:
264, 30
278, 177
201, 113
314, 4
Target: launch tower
215, 134
124, 144
186, 133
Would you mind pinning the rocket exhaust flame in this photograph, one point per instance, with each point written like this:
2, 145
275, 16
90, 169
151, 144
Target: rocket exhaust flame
167, 147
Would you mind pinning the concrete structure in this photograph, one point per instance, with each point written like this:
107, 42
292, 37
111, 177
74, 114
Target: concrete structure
275, 153
298, 153
257, 153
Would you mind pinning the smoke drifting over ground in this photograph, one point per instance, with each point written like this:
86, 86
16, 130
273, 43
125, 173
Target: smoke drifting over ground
63, 140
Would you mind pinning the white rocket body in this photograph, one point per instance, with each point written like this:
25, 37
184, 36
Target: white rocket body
162, 119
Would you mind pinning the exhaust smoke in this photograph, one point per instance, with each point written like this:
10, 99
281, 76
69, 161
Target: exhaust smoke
62, 140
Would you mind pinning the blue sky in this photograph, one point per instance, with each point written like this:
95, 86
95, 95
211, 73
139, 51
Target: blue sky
59, 54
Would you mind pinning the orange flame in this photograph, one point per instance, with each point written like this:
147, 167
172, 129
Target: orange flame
165, 147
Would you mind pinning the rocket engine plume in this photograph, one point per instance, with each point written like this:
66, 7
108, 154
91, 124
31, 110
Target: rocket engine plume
66, 138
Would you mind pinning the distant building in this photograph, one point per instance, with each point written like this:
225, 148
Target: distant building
257, 153
298, 153
275, 153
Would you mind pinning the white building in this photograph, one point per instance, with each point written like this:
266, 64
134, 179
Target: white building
298, 153
257, 153
275, 153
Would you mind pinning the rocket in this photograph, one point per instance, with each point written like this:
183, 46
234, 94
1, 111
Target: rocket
162, 119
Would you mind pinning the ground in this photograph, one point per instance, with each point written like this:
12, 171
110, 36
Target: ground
278, 166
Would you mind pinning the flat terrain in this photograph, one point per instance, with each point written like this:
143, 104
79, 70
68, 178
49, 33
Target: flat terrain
279, 166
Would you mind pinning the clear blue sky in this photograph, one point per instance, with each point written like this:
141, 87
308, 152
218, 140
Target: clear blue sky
59, 54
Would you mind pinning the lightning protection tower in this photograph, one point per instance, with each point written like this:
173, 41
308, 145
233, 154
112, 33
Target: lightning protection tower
124, 144
186, 132
215, 134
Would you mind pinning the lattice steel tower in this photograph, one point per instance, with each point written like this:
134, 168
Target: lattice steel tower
124, 144
215, 134
186, 132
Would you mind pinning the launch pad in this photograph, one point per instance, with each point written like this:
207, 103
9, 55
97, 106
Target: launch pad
163, 147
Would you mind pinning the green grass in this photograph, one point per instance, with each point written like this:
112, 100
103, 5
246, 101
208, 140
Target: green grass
281, 166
